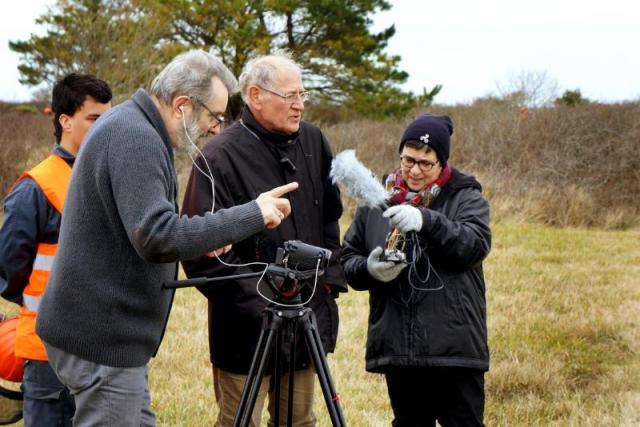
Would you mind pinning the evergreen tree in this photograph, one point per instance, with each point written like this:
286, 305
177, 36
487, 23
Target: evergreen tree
571, 98
125, 42
343, 62
110, 39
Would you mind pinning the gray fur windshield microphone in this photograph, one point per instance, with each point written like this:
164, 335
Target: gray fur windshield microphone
363, 186
359, 181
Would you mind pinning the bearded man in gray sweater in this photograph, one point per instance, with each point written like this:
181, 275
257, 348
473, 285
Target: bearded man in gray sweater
104, 312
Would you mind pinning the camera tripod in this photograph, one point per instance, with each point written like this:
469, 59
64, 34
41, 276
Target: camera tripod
277, 320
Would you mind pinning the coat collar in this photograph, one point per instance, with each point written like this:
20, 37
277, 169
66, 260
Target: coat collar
146, 105
458, 181
63, 154
250, 122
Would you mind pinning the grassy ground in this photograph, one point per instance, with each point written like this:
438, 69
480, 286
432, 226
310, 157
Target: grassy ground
563, 320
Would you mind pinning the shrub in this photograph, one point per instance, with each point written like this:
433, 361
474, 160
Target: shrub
25, 139
561, 165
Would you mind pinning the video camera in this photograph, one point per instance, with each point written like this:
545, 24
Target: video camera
295, 263
302, 256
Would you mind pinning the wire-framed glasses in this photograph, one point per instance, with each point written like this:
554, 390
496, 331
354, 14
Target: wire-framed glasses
289, 98
217, 119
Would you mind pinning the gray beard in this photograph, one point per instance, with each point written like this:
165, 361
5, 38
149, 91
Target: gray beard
187, 140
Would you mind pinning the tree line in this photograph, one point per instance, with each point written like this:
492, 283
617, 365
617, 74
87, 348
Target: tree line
127, 42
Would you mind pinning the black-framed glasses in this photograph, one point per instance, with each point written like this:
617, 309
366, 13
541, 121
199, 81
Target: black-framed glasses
289, 98
218, 119
424, 164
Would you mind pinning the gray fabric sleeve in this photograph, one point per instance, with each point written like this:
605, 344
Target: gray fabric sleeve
142, 178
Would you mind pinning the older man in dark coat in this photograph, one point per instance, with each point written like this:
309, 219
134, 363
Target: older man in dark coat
268, 145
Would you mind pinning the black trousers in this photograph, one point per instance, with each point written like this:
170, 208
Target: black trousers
420, 396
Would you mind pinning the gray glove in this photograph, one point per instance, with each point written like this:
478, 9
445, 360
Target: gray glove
383, 271
405, 218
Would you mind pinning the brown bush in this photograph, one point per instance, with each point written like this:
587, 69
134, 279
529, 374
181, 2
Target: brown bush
563, 166
25, 139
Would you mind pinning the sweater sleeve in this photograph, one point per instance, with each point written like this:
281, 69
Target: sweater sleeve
144, 189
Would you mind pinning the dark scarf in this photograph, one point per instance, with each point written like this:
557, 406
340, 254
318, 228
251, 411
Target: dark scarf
400, 192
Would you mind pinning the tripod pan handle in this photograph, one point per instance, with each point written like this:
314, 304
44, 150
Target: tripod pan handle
174, 284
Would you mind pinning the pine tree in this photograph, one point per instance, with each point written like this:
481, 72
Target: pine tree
110, 39
126, 42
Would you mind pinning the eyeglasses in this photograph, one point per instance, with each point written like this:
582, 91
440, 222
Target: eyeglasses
424, 164
289, 98
218, 119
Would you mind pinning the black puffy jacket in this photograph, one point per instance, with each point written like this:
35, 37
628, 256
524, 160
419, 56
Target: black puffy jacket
445, 327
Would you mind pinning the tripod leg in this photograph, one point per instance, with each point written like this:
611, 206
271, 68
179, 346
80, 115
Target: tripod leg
289, 329
256, 372
292, 371
314, 344
277, 378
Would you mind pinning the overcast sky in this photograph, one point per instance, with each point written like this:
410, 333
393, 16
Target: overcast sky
468, 46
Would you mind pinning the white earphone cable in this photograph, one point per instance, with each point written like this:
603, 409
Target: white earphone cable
210, 174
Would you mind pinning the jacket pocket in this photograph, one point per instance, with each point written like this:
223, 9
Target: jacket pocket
454, 303
376, 308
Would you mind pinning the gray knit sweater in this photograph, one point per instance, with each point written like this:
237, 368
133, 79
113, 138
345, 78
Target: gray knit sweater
120, 239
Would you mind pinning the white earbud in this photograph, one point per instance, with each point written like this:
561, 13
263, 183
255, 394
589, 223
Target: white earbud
181, 108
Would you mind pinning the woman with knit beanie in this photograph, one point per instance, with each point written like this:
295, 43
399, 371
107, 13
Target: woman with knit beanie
421, 261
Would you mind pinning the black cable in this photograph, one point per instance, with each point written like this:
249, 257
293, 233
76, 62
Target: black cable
419, 256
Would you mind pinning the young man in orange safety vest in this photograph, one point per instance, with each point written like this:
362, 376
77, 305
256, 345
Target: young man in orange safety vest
29, 239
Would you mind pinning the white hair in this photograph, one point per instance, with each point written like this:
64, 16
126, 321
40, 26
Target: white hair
263, 70
190, 74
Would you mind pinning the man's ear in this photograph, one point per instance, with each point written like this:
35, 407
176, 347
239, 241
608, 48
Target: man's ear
65, 122
178, 104
254, 97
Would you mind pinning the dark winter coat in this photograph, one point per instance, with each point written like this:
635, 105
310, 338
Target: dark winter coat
418, 328
247, 160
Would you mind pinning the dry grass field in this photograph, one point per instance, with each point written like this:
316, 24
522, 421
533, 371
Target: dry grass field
563, 310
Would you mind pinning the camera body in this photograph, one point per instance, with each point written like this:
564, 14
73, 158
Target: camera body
296, 264
300, 256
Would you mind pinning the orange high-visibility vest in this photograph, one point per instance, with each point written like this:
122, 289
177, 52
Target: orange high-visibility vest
52, 176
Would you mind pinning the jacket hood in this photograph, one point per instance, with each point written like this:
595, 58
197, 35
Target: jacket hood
460, 181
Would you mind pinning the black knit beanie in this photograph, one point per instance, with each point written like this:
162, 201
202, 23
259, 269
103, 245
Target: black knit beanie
433, 131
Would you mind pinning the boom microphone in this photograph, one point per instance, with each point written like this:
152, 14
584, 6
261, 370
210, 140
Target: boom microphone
359, 181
